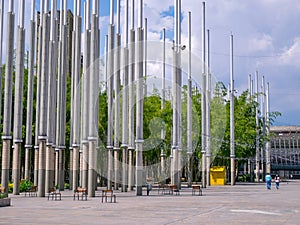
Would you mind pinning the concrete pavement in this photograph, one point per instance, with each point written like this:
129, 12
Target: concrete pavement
240, 204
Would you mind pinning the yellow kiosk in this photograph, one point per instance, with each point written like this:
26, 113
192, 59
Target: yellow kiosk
218, 175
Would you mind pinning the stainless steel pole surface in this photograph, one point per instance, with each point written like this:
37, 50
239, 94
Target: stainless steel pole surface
232, 147
117, 110
1, 48
30, 85
18, 100
257, 156
268, 144
6, 137
163, 92
77, 100
139, 113
208, 97
203, 99
131, 147
43, 106
93, 106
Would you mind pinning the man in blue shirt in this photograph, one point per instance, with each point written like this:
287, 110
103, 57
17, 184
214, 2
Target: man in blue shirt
268, 179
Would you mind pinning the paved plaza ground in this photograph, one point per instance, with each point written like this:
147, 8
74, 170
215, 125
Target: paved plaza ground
240, 204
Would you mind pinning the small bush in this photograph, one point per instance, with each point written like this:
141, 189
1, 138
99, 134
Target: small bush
3, 195
25, 185
10, 187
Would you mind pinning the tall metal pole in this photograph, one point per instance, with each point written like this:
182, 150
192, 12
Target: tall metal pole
208, 96
44, 103
77, 99
179, 101
72, 73
257, 156
124, 65
61, 98
1, 48
145, 54
93, 106
268, 144
110, 84
139, 101
163, 92
6, 137
232, 147
18, 101
203, 99
189, 104
131, 70
117, 64
49, 182
38, 95
85, 95
263, 110
29, 113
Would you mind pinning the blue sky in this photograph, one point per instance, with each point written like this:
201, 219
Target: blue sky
266, 38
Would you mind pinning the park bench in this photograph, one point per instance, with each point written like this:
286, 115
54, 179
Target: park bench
54, 194
196, 188
80, 191
108, 194
164, 189
174, 189
32, 191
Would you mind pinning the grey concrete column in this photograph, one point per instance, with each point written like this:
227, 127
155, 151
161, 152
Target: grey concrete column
42, 169
7, 100
36, 165
130, 169
76, 159
5, 162
56, 164
48, 182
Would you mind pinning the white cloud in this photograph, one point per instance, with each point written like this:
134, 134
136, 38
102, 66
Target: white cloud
291, 55
261, 43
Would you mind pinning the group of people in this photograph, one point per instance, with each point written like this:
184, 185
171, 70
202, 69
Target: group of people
269, 181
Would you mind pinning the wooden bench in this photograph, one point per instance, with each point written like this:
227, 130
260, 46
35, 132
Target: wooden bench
54, 193
164, 188
196, 188
32, 191
174, 189
80, 191
109, 194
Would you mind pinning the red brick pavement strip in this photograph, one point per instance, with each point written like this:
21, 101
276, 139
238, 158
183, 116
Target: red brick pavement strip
240, 204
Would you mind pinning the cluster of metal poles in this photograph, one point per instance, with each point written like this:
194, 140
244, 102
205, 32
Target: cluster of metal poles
124, 62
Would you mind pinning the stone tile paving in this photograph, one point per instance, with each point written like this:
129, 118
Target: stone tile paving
240, 204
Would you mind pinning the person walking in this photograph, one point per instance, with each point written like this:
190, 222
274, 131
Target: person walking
277, 181
268, 179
